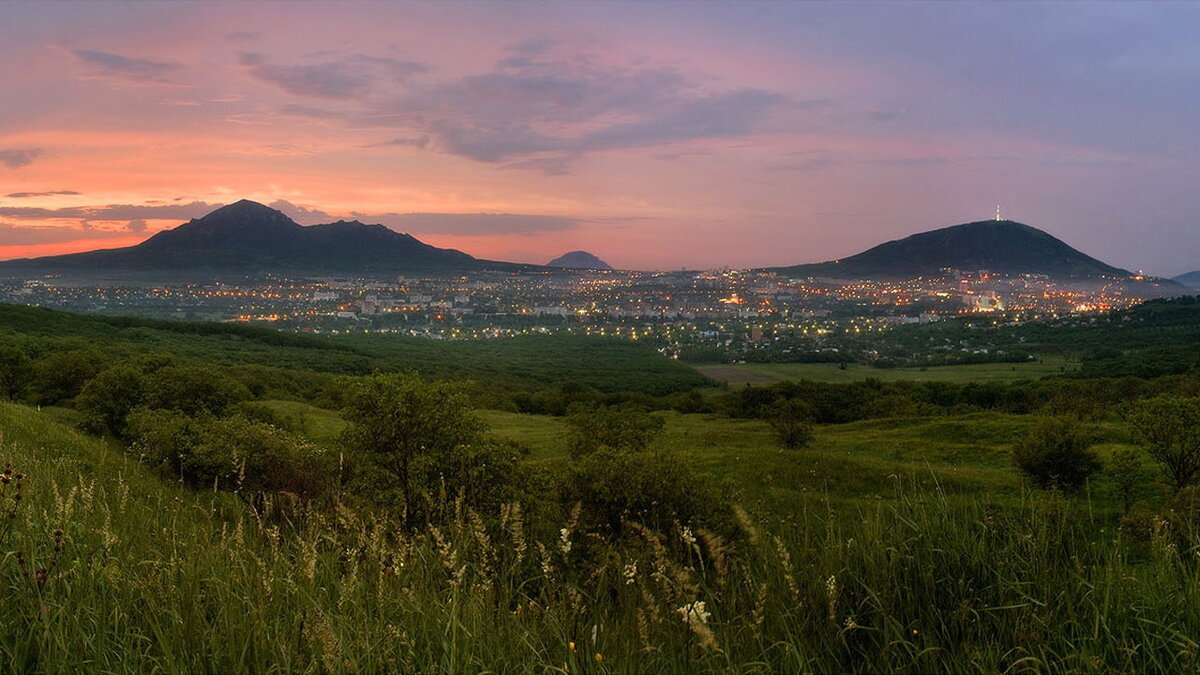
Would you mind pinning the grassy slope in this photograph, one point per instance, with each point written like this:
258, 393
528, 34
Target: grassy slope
848, 465
156, 578
767, 373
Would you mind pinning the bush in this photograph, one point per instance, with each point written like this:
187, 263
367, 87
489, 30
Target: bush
791, 420
1170, 428
486, 475
62, 375
611, 428
194, 391
256, 458
1057, 454
163, 439
233, 453
654, 488
614, 475
108, 398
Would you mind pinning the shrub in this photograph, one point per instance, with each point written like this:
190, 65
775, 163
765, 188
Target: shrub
486, 475
791, 420
611, 428
163, 439
108, 398
614, 475
1057, 454
653, 488
1125, 471
194, 390
256, 458
62, 375
1170, 428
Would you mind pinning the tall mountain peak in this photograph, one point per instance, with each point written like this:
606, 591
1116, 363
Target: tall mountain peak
247, 237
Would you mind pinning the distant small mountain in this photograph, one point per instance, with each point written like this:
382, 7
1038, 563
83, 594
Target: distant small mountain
1001, 246
579, 260
1191, 279
247, 237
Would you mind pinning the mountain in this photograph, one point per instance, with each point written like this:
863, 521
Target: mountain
248, 237
579, 260
1191, 279
1001, 246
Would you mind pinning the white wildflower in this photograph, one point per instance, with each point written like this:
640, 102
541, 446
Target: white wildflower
694, 613
688, 537
629, 572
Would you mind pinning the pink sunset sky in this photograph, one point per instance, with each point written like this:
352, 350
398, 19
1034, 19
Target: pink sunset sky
653, 135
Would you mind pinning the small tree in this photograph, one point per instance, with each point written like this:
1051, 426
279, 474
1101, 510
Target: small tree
1170, 428
792, 421
1057, 453
1125, 470
108, 398
401, 421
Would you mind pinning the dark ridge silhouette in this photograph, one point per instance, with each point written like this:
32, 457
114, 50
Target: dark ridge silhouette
247, 237
1001, 246
580, 260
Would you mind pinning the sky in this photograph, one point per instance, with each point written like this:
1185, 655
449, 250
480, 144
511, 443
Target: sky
655, 135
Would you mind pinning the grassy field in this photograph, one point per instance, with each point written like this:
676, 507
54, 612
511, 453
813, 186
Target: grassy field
768, 373
847, 465
867, 566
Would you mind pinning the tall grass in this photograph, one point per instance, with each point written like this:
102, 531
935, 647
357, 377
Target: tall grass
155, 578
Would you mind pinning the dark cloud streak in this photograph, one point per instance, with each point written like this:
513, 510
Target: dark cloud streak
353, 77
127, 68
24, 195
15, 158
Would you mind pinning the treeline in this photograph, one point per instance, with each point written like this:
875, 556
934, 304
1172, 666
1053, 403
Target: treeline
520, 364
1095, 398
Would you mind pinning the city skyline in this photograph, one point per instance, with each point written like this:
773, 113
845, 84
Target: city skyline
655, 136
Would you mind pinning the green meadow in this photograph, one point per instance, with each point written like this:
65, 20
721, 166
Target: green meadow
900, 537
904, 545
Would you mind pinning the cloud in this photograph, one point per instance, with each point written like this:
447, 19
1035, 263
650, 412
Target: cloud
413, 142
23, 195
126, 212
353, 77
539, 107
126, 68
243, 35
301, 214
716, 116
15, 158
15, 235
540, 110
137, 225
436, 223
470, 223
